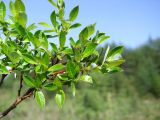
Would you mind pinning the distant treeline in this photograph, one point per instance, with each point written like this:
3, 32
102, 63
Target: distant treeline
141, 71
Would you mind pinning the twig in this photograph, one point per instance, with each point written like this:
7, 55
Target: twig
20, 84
57, 72
2, 79
28, 94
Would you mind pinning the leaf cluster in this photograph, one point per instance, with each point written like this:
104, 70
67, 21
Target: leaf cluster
44, 65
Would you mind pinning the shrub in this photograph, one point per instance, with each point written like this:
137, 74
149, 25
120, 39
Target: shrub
43, 65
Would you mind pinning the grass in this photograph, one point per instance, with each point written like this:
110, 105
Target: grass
89, 104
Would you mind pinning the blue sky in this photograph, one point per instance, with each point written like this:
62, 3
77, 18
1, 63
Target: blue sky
127, 22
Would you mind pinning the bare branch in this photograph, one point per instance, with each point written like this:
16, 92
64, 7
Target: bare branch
20, 84
28, 94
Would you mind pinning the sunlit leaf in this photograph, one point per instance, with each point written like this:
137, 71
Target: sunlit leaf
102, 38
2, 10
60, 98
44, 24
19, 6
72, 42
56, 67
89, 50
76, 25
86, 78
12, 8
71, 69
115, 63
22, 19
53, 3
62, 39
29, 58
29, 81
40, 99
74, 13
53, 18
3, 69
45, 59
73, 89
116, 50
54, 47
105, 55
31, 27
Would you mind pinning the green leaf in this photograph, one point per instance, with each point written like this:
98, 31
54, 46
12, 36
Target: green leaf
12, 8
45, 59
41, 39
114, 69
14, 57
60, 4
33, 39
76, 25
29, 81
87, 32
60, 98
86, 78
50, 31
89, 50
105, 55
22, 19
20, 29
40, 99
61, 13
71, 69
53, 19
2, 10
72, 42
115, 63
73, 89
65, 25
44, 41
19, 7
53, 3
29, 58
83, 34
54, 47
44, 24
3, 69
91, 29
74, 13
50, 87
39, 69
102, 38
56, 67
62, 39
31, 27
63, 76
67, 51
115, 51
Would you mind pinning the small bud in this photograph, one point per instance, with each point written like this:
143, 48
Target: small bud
60, 4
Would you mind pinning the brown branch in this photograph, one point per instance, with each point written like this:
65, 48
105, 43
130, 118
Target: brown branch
57, 72
2, 79
20, 84
54, 60
26, 95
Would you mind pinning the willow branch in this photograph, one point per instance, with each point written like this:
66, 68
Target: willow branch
26, 95
20, 84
